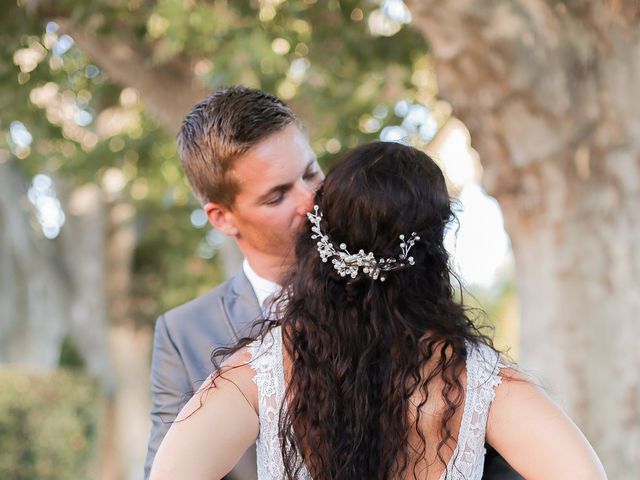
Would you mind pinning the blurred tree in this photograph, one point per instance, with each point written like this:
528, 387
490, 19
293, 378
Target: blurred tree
97, 220
549, 92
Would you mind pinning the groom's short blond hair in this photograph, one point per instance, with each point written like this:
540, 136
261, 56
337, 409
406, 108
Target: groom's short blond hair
219, 130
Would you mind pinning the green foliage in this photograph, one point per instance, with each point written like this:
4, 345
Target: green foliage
48, 425
70, 356
168, 270
319, 56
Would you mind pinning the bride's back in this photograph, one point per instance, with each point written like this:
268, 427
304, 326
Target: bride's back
422, 455
428, 465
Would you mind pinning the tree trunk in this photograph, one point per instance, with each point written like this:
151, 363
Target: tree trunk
549, 94
74, 286
578, 278
129, 348
83, 245
35, 293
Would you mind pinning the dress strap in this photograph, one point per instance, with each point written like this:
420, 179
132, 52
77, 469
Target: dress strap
266, 361
483, 375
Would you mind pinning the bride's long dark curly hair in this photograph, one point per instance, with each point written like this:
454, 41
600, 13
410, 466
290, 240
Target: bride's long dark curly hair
361, 349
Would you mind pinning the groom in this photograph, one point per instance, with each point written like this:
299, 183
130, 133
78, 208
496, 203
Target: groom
249, 162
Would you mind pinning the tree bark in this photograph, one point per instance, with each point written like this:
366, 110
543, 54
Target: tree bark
35, 291
549, 94
83, 246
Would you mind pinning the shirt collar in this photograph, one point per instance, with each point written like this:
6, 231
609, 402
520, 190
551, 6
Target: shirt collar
263, 288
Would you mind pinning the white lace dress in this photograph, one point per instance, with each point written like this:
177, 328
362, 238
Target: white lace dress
467, 461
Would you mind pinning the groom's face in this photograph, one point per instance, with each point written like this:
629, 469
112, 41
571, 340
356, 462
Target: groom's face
277, 180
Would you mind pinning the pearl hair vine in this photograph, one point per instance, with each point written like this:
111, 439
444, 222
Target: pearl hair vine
349, 264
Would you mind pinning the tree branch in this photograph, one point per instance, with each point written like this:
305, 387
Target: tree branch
168, 91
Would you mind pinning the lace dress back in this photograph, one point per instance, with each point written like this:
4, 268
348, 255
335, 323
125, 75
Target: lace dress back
467, 462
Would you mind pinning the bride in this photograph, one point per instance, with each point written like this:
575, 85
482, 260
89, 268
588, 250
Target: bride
372, 370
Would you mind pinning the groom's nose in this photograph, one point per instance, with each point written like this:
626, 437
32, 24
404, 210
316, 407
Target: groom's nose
304, 197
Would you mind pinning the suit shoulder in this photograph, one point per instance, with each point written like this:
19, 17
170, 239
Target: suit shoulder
195, 309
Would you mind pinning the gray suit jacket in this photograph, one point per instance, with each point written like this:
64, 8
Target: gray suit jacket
183, 342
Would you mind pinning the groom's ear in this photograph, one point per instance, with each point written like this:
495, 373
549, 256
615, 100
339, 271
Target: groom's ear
220, 218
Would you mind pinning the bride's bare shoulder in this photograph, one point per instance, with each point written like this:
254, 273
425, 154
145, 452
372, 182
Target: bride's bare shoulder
236, 372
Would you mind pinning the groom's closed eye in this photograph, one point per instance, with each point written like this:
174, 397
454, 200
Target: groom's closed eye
277, 194
310, 175
311, 171
276, 199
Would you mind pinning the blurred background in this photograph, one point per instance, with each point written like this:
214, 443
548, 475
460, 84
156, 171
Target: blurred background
531, 107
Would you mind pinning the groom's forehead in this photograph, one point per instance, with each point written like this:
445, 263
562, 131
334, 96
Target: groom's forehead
261, 175
279, 154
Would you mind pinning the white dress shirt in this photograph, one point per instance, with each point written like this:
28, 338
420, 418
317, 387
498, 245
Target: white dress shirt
263, 288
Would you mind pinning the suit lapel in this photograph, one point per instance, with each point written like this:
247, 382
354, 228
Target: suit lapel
241, 305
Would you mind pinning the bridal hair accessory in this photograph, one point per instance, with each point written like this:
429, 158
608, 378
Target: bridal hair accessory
349, 264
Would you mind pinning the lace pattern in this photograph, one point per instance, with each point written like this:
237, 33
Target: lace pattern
467, 463
267, 362
483, 367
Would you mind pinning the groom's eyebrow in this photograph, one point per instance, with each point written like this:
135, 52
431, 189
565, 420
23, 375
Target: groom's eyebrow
285, 187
